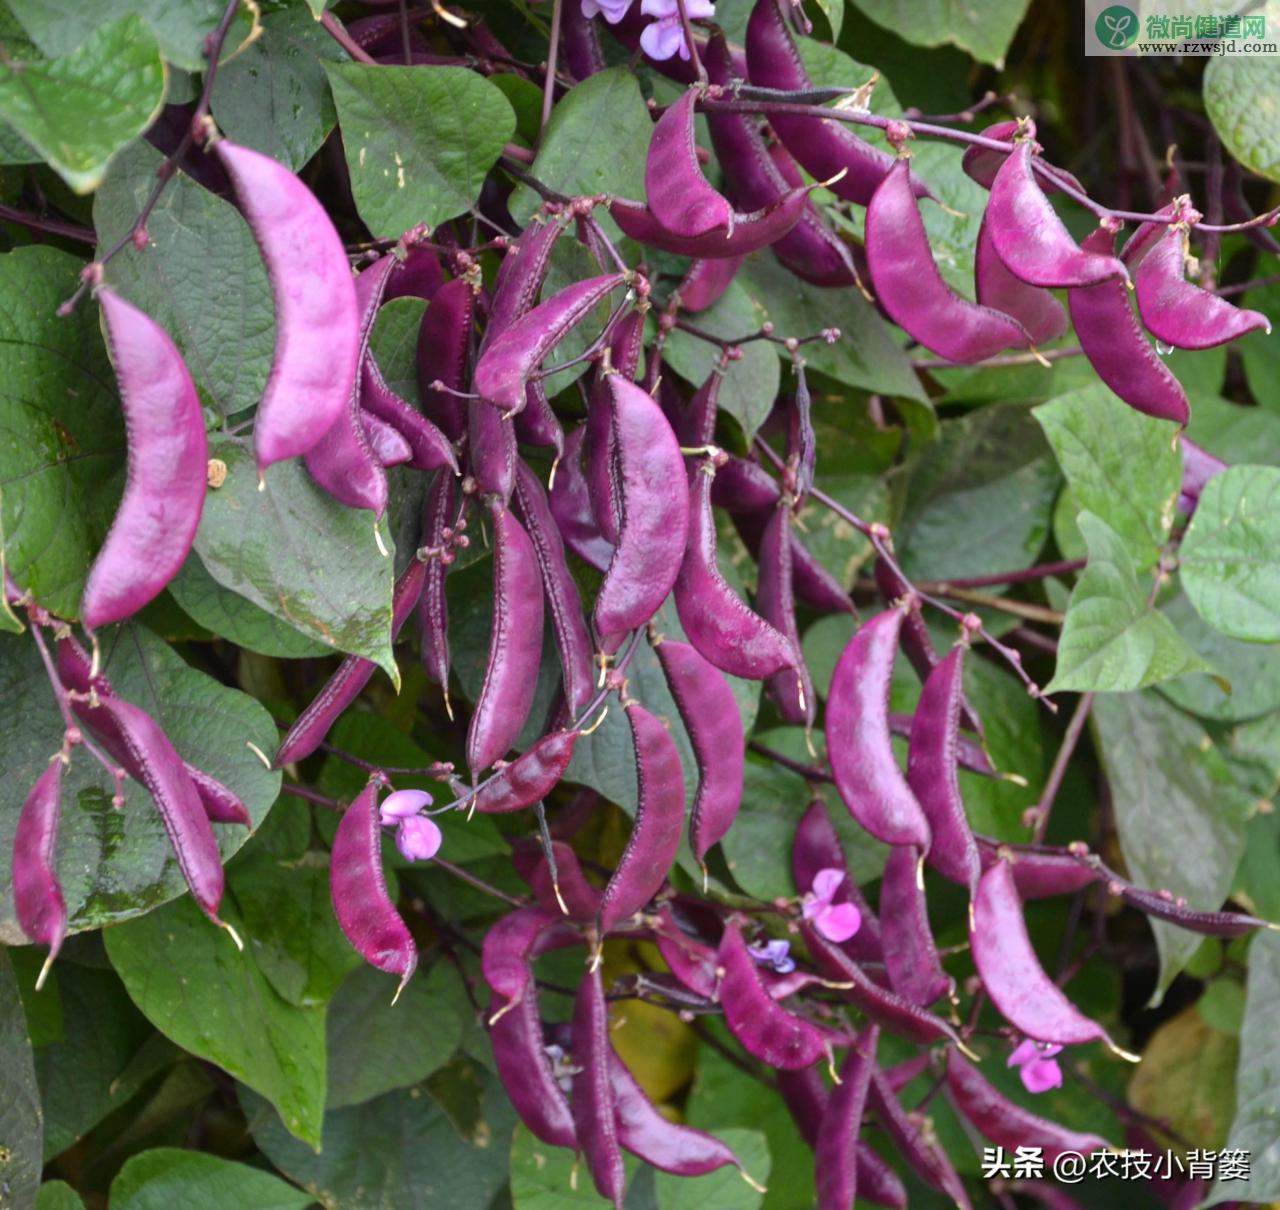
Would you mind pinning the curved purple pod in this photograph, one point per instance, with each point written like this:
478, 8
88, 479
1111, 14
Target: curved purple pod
697, 425
749, 233
1118, 350
1198, 467
536, 423
37, 897
444, 342
680, 198
523, 1066
513, 942
419, 275
824, 148
859, 748
600, 459
922, 1154
815, 586
816, 846
1179, 312
439, 513
995, 286
521, 275
932, 772
1030, 238
386, 442
515, 645
910, 956
981, 164
969, 753
528, 778
366, 915
1007, 1124
563, 603
655, 834
165, 483
492, 448
912, 292
221, 804
570, 501
1041, 875
1145, 235
711, 718
569, 887
690, 961
835, 1158
792, 689
805, 1094
317, 353
594, 1108
655, 514
742, 486
429, 448
580, 43
718, 623
1164, 906
705, 282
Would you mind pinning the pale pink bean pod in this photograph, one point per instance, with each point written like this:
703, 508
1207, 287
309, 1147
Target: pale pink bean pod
37, 896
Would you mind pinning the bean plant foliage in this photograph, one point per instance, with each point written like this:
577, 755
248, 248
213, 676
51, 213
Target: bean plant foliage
666, 604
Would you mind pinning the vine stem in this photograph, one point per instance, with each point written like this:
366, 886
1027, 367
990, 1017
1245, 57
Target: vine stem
687, 26
553, 52
1005, 359
338, 32
50, 226
1041, 571
1075, 727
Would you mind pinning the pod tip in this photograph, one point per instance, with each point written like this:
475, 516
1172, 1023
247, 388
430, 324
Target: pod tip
1015, 779
555, 886
404, 980
258, 752
48, 965
377, 537
1127, 1055
222, 924
502, 1012
968, 1054
755, 1184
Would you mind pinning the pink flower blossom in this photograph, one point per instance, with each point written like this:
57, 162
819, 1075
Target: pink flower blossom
665, 37
418, 838
1036, 1065
611, 10
400, 804
774, 954
835, 921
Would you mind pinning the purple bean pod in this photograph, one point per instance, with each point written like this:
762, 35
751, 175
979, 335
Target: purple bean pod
981, 164
749, 233
1040, 875
419, 275
570, 502
513, 942
444, 341
1145, 236
580, 43
581, 900
1198, 467
690, 961
439, 514
521, 275
165, 484
37, 897
816, 846
814, 585
428, 447
600, 456
524, 1067
705, 282
536, 423
221, 804
530, 777
1163, 905
835, 1158
388, 445
792, 689
910, 956
697, 424
969, 753
493, 453
317, 353
922, 1155
594, 1106
995, 286
741, 486
680, 198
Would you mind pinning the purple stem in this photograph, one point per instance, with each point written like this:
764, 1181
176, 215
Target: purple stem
1075, 727
337, 31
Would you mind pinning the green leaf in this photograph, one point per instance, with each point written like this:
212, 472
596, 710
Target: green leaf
58, 1195
21, 1118
1178, 812
1257, 1081
1242, 97
167, 1176
10, 623
111, 863
394, 345
1222, 1006
1235, 433
1121, 465
596, 142
296, 552
213, 1000
1261, 356
985, 31
418, 143
79, 110
750, 385
223, 321
545, 1178
723, 1189
1113, 639
1230, 556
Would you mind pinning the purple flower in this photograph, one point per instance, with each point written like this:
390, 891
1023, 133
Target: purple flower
418, 838
665, 37
611, 10
1036, 1065
775, 954
401, 804
835, 921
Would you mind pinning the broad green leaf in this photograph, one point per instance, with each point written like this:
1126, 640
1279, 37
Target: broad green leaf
168, 1176
279, 78
1235, 433
213, 1000
1260, 353
223, 321
418, 143
21, 1116
9, 620
58, 1195
750, 386
296, 552
1257, 1082
980, 498
113, 864
1121, 465
723, 1189
984, 31
1222, 1005
79, 110
1178, 812
317, 7
1114, 640
394, 345
595, 142
1230, 556
1242, 96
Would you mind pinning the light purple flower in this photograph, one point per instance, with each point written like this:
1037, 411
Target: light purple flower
1036, 1065
401, 804
418, 838
775, 954
611, 10
665, 37
835, 921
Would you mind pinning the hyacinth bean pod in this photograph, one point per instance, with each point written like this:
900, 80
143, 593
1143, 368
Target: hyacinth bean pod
530, 777
690, 961
816, 846
717, 621
679, 196
858, 744
1164, 906
317, 353
1041, 875
1032, 240
969, 754
814, 585
492, 439
513, 942
1146, 234
419, 275
37, 897
569, 887
580, 43
714, 725
1118, 349
536, 423
221, 804
594, 1108
655, 834
802, 441
570, 501
444, 341
1198, 467
626, 344
521, 275
744, 487
523, 1066
159, 513
923, 1156
765, 1029
366, 915
792, 689
508, 362
388, 446
933, 767
910, 956
1179, 312
428, 447
352, 675
981, 163
1017, 984
705, 282
917, 643
604, 488
515, 645
433, 608
749, 232
995, 286
655, 514
1005, 1123
835, 1158
912, 292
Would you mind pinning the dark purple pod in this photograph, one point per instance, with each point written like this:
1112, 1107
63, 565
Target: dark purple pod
655, 834
835, 1158
815, 586
594, 1107
816, 846
600, 458
493, 453
679, 196
570, 502
742, 486
969, 753
513, 942
1164, 906
1179, 312
626, 345
159, 513
530, 777
995, 286
859, 748
1031, 239
697, 424
580, 43
1006, 1124
429, 448
1198, 467
221, 804
444, 341
1145, 236
690, 961
910, 956
37, 897
877, 1182
536, 423
344, 686
515, 645
791, 689
1041, 875
710, 716
910, 289
386, 442
982, 164
705, 282
524, 1067
419, 275
367, 916
521, 275
439, 514
569, 887
1116, 347
749, 232
717, 621
924, 1156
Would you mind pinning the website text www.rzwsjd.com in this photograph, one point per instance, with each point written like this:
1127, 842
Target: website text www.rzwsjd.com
1205, 48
